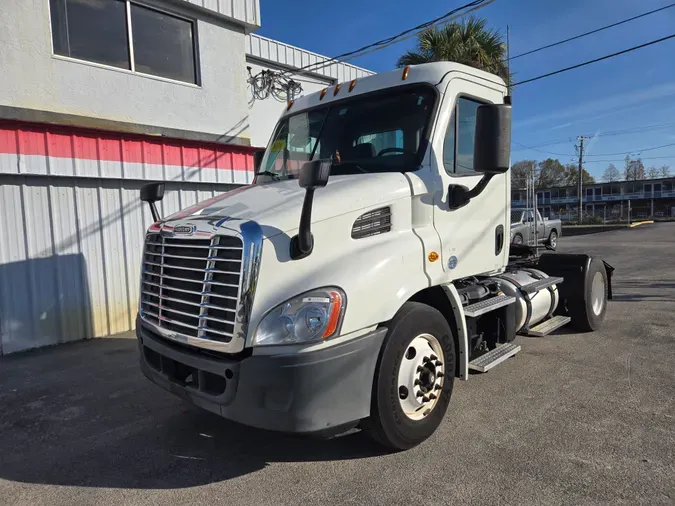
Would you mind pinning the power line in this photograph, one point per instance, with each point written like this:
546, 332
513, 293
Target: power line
634, 150
545, 152
381, 44
560, 71
592, 32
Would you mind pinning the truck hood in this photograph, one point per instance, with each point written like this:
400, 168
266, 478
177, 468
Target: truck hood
276, 206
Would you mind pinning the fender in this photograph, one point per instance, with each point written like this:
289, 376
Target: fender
458, 312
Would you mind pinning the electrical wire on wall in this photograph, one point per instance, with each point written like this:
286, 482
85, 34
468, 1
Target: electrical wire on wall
269, 83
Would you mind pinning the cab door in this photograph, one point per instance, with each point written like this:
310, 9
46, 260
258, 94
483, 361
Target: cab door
474, 238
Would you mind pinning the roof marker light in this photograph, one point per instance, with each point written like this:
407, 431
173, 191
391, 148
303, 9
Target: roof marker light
406, 71
351, 85
323, 93
337, 89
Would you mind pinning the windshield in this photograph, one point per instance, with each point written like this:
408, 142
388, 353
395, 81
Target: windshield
382, 132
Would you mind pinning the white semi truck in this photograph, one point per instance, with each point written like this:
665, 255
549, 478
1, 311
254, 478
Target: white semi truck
365, 269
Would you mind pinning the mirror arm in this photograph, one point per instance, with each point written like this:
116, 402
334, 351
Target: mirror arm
303, 243
154, 212
459, 196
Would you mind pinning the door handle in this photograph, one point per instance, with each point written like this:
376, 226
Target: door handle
499, 239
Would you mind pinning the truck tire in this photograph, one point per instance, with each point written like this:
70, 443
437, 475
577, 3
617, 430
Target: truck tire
413, 379
517, 239
588, 312
553, 240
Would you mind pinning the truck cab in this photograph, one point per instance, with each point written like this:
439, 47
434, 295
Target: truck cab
366, 267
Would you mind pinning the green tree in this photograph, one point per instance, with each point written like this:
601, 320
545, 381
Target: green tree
551, 173
572, 175
469, 41
520, 173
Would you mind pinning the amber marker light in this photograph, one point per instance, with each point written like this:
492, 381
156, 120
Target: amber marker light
334, 317
433, 256
406, 71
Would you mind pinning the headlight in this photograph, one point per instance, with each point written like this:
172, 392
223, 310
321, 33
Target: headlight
308, 317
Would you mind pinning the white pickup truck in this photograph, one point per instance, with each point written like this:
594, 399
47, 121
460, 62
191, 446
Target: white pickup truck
366, 268
526, 228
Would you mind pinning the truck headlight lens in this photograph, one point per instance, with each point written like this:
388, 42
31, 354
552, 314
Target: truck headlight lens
308, 317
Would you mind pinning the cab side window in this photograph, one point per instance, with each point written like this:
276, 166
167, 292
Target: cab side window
459, 137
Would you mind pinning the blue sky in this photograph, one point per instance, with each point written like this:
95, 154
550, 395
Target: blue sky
627, 92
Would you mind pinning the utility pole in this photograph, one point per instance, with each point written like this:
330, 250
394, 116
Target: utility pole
580, 185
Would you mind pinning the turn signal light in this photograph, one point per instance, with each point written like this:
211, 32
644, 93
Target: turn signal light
334, 316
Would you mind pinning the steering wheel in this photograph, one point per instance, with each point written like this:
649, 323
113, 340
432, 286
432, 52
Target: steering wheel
391, 150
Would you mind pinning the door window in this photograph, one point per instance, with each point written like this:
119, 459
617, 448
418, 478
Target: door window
460, 136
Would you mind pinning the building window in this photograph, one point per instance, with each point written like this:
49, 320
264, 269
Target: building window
460, 136
126, 35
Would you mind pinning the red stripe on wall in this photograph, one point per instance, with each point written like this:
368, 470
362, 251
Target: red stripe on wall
71, 142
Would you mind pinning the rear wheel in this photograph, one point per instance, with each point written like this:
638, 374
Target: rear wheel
414, 378
588, 313
517, 239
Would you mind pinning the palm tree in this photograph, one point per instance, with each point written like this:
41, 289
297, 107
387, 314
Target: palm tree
469, 42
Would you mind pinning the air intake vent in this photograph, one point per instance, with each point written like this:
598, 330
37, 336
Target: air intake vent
372, 223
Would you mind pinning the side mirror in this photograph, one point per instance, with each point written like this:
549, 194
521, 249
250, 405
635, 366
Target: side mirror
492, 146
314, 174
151, 193
257, 159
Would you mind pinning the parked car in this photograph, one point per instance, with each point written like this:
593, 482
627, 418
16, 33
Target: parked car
522, 228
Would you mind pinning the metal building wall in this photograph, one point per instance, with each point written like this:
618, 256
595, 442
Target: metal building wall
72, 227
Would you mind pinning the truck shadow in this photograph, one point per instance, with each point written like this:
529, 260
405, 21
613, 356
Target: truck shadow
82, 414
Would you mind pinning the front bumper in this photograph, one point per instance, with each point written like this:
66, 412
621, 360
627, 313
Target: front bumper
299, 392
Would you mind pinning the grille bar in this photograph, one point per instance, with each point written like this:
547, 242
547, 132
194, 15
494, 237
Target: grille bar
174, 245
188, 291
193, 291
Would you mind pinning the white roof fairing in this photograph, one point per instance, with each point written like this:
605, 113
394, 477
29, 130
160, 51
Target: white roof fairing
430, 73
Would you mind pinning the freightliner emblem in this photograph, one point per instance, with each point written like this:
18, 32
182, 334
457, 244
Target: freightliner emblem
184, 229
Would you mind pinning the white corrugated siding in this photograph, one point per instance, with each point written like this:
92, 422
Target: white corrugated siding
285, 54
246, 11
70, 255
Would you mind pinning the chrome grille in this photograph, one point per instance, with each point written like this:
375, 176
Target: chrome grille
191, 286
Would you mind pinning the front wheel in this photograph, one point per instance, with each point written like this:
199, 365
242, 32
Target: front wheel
413, 379
553, 240
517, 239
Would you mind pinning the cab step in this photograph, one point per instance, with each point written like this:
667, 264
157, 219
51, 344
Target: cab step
486, 305
546, 327
541, 284
494, 357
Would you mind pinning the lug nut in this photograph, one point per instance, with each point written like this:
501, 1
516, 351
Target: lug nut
433, 357
419, 394
437, 387
426, 359
438, 363
440, 375
432, 396
420, 368
425, 399
417, 382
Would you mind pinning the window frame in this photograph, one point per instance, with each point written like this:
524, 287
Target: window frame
130, 41
455, 121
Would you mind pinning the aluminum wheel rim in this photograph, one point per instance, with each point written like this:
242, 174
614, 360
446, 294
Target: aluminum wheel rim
420, 376
598, 293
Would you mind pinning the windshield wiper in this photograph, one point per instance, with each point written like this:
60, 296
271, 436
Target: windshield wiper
273, 175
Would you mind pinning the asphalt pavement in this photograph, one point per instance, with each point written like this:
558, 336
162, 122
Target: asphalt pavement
572, 419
